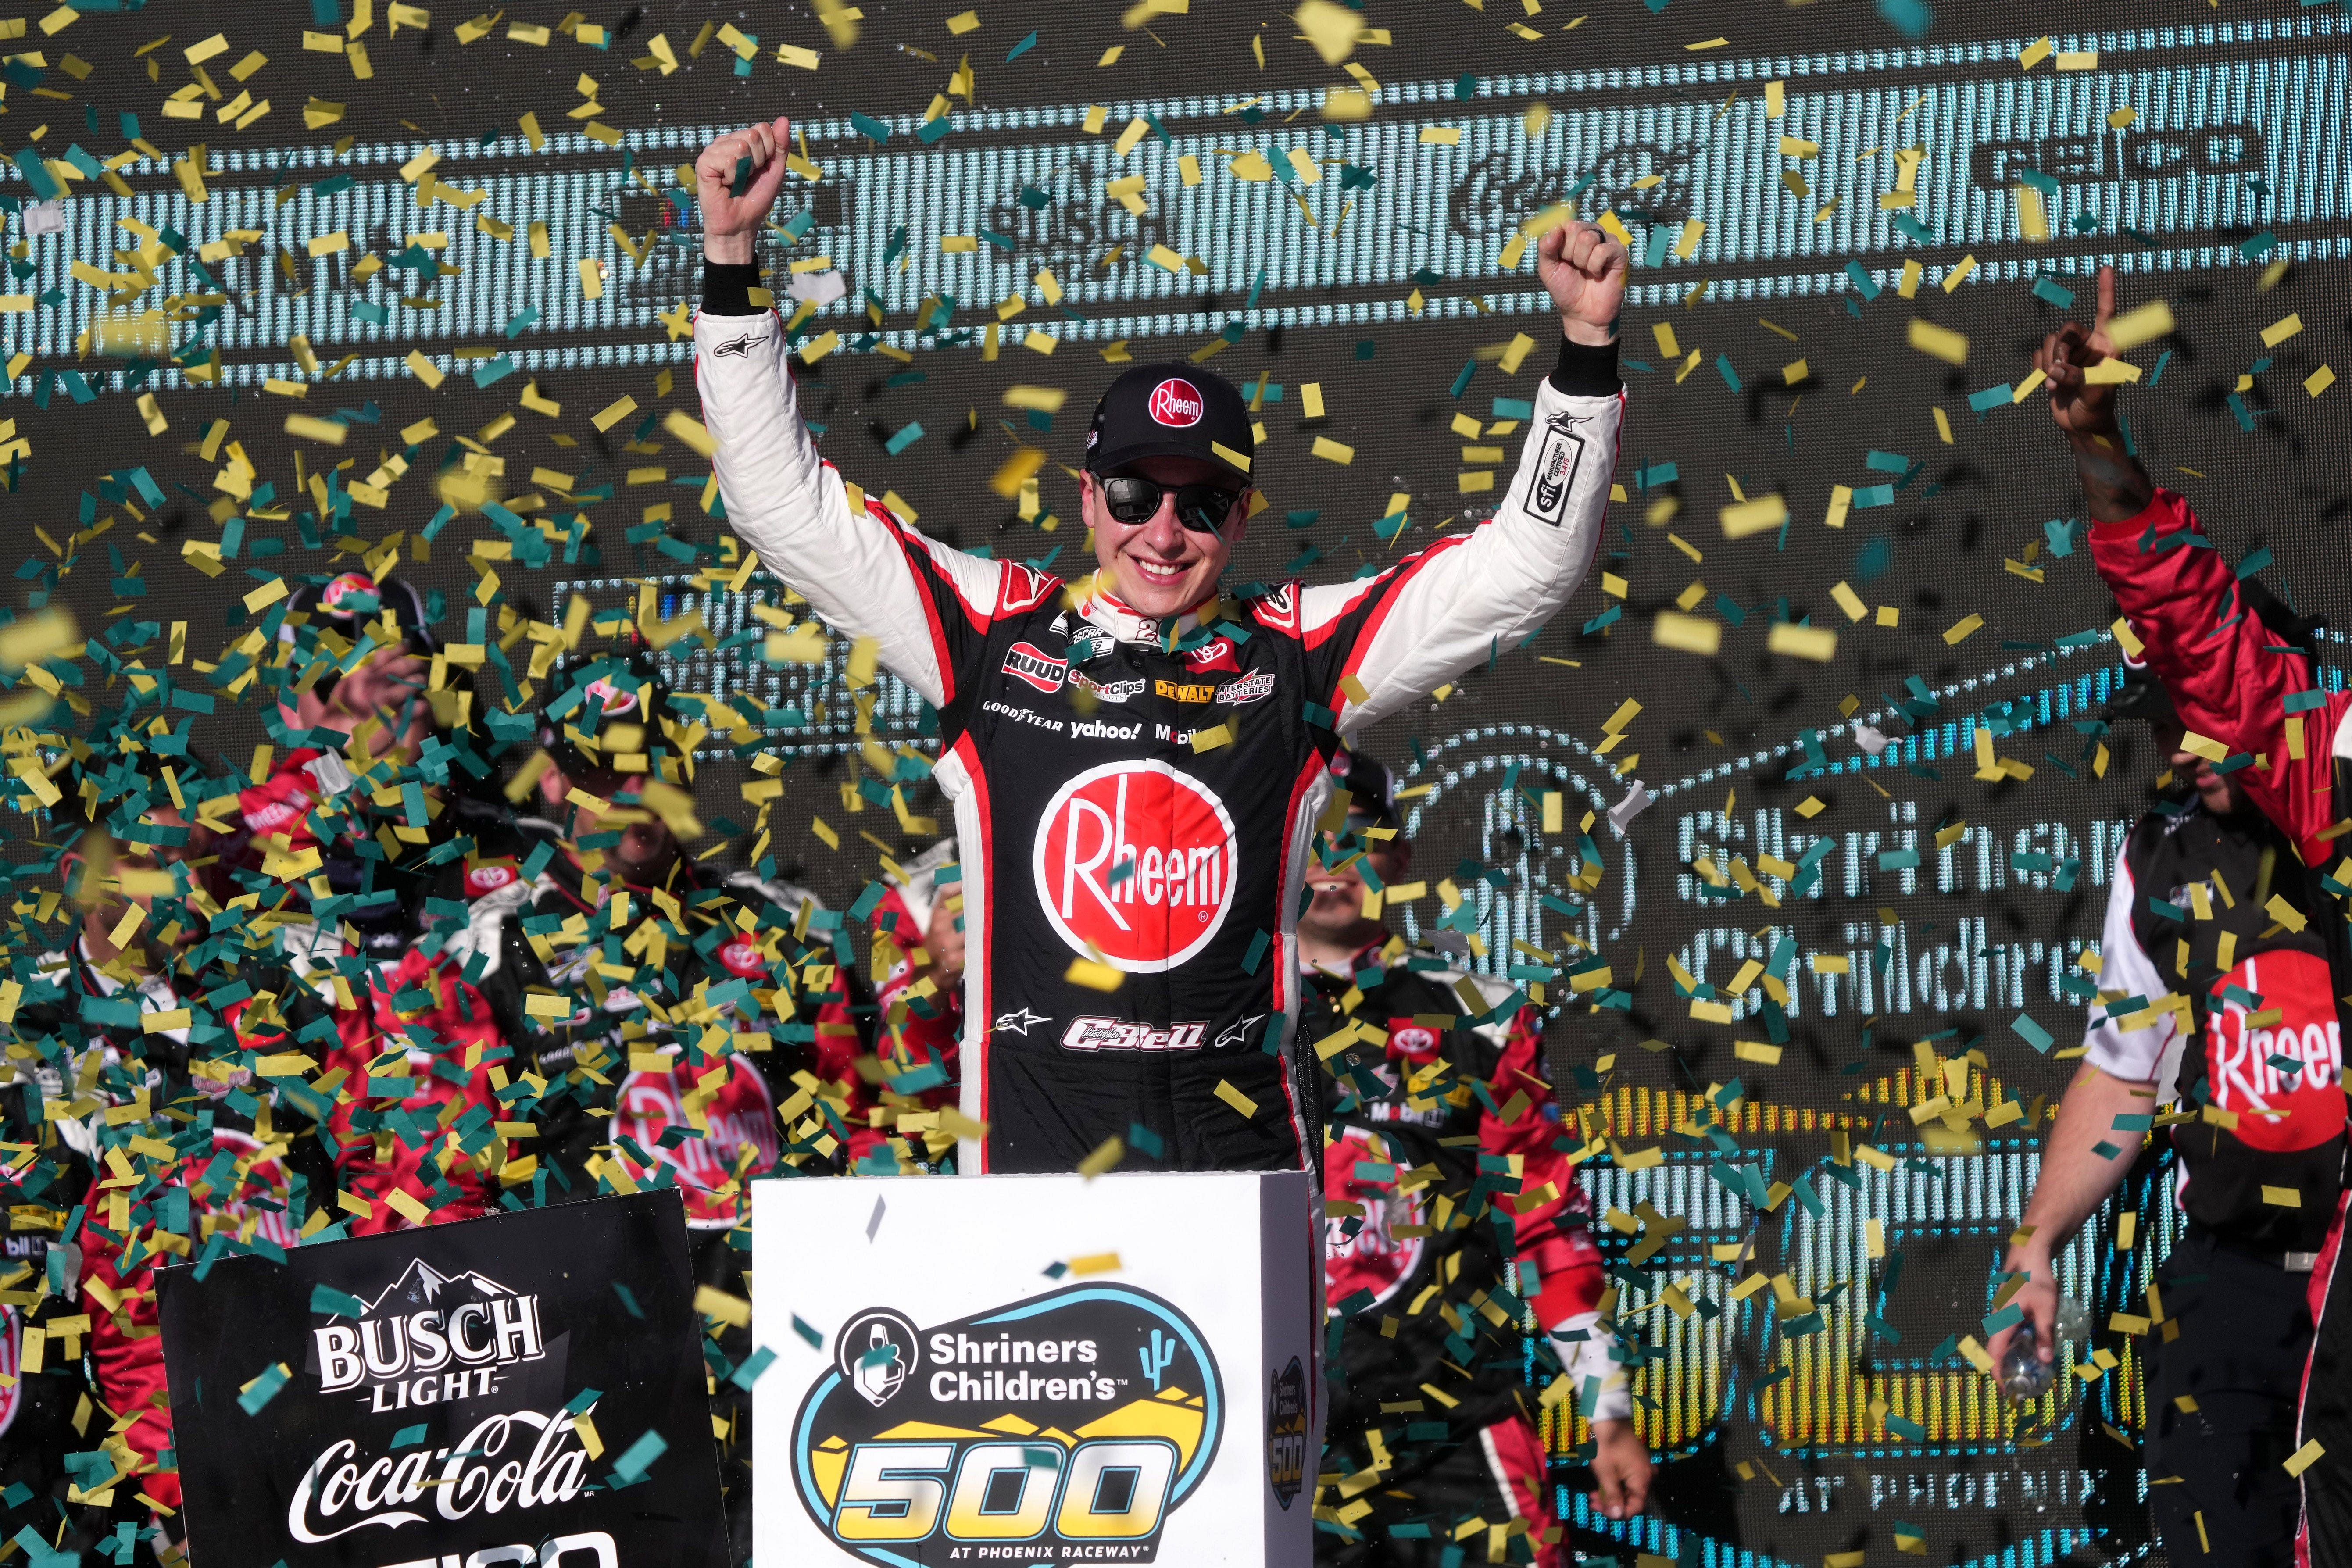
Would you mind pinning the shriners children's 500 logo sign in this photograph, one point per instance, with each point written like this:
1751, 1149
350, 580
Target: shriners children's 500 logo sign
1062, 1429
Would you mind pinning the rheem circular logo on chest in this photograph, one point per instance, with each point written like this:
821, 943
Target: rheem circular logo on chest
1138, 860
1177, 402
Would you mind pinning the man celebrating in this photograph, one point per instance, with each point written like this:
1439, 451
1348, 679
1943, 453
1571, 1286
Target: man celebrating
1136, 763
2251, 697
2232, 1289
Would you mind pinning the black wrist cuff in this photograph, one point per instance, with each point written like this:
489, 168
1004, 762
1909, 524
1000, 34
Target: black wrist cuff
1587, 371
727, 288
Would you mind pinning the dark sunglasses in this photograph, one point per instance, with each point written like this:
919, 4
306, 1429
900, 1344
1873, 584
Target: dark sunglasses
1203, 507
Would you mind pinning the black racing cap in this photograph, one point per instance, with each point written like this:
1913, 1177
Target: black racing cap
349, 600
1171, 411
625, 689
1371, 788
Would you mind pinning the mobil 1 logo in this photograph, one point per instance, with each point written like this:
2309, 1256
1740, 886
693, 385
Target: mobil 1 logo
470, 1395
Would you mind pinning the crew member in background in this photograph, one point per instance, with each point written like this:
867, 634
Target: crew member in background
919, 976
2191, 917
381, 728
2250, 694
1433, 1124
240, 1157
1135, 761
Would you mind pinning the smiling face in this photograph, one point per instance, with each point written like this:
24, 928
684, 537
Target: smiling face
1335, 912
1160, 568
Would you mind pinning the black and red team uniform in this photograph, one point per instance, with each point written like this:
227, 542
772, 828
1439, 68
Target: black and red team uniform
1133, 795
1443, 1293
2276, 1103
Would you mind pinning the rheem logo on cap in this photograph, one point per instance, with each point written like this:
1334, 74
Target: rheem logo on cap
1177, 402
617, 699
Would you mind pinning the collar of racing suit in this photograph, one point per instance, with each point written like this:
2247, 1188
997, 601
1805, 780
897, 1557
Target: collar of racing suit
1109, 612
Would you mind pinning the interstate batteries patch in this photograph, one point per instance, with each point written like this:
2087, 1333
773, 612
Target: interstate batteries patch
1069, 1427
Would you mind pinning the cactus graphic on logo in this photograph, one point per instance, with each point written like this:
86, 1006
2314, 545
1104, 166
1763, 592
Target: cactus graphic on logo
1073, 1425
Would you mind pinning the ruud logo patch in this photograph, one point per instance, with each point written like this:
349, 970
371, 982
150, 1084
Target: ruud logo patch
1059, 1430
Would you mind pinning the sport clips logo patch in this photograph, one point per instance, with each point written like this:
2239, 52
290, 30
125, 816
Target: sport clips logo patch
1060, 1429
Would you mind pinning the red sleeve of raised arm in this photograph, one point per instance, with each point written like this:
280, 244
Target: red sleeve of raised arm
1546, 1233
127, 1351
2212, 653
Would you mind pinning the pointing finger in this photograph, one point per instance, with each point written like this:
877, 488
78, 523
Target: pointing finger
2106, 296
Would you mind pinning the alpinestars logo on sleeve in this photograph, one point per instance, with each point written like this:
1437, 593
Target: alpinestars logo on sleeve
736, 347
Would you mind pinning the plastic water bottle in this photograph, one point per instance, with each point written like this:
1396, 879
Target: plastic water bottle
2024, 1375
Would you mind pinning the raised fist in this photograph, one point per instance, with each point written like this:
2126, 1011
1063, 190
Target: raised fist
735, 181
1584, 272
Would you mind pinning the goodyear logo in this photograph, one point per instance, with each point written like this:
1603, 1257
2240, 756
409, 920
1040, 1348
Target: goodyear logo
1062, 1429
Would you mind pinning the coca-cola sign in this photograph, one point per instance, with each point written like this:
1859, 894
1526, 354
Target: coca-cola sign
483, 1391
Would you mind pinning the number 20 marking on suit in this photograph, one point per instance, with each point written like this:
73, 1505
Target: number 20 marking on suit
1109, 1490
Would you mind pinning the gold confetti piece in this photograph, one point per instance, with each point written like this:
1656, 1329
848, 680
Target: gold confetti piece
423, 370
330, 431
1332, 451
1756, 1051
1097, 1262
685, 428
1107, 1156
2319, 380
1776, 99
2034, 53
2278, 331
1962, 629
1689, 634
967, 22
1331, 29
1094, 976
713, 1302
2078, 60
2303, 1458
2032, 217
1940, 342
614, 413
1850, 602
1233, 1097
1759, 516
2142, 324
197, 54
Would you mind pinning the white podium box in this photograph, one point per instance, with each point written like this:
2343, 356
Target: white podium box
1152, 1400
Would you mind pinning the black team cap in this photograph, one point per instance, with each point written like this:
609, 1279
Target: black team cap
1171, 411
1370, 786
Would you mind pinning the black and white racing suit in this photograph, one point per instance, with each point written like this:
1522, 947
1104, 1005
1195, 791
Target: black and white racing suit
1140, 793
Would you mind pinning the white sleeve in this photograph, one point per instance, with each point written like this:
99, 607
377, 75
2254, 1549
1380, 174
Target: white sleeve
1429, 618
1589, 1358
2126, 970
867, 574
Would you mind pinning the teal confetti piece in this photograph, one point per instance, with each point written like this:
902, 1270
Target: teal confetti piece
2032, 1033
2055, 292
1513, 408
870, 128
628, 1301
1462, 380
2158, 374
1022, 48
335, 1303
633, 1464
1863, 283
409, 1436
1904, 1426
742, 180
761, 1359
1731, 376
582, 1400
903, 438
811, 1335
263, 1389
1145, 1141
1990, 398
1256, 952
